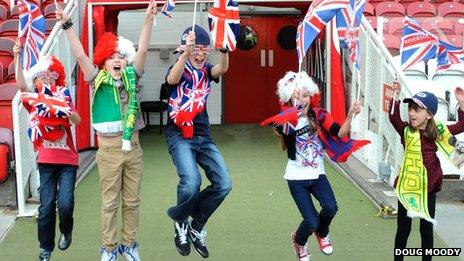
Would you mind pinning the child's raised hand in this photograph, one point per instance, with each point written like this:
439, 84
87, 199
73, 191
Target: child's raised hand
151, 10
17, 47
396, 86
189, 43
60, 14
355, 109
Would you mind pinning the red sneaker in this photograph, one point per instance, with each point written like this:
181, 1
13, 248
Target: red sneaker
301, 252
324, 244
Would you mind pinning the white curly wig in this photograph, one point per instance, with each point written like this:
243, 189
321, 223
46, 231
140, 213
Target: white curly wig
291, 81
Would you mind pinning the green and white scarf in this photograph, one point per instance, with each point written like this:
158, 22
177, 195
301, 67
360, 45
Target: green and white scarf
412, 186
106, 105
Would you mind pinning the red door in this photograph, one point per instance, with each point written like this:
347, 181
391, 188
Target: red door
256, 66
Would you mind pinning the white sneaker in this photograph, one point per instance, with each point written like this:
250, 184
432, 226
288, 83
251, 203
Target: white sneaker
108, 256
324, 244
301, 252
130, 253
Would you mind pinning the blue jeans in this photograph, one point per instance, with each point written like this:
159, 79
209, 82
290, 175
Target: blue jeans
200, 205
56, 184
301, 191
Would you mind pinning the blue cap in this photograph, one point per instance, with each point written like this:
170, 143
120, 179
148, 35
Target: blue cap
425, 100
201, 36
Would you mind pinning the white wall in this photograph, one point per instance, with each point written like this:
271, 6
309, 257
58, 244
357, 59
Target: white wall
166, 35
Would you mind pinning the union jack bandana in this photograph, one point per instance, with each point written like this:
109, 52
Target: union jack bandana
49, 109
189, 98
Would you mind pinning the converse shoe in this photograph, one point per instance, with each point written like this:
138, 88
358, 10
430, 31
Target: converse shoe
301, 252
44, 255
181, 240
130, 253
107, 255
324, 244
198, 241
65, 241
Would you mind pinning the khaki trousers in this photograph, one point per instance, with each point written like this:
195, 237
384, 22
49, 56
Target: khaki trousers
120, 179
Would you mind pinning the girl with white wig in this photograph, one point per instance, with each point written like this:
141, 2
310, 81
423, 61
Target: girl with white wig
306, 130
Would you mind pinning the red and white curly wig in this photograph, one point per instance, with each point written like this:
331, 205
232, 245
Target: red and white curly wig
47, 65
108, 45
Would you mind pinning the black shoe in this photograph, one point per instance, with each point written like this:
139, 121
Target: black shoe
197, 239
181, 240
65, 241
44, 255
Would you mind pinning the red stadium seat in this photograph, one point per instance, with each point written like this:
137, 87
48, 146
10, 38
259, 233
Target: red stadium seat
373, 21
10, 77
458, 26
14, 13
1, 73
9, 28
6, 53
454, 40
368, 10
421, 9
5, 3
49, 24
451, 9
392, 42
394, 26
389, 9
438, 25
3, 13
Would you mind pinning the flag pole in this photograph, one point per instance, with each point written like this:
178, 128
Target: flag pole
194, 15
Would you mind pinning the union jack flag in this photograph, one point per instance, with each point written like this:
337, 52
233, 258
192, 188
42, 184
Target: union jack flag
319, 13
417, 44
31, 32
448, 55
348, 20
189, 98
168, 7
49, 108
286, 120
224, 23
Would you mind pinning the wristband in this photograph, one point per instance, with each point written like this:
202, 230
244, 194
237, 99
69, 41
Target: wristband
222, 50
67, 24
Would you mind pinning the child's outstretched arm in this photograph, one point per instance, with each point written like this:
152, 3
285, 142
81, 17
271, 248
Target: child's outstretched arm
458, 127
83, 60
20, 80
145, 36
346, 126
219, 69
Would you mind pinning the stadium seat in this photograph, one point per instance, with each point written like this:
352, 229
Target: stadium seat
453, 39
10, 77
458, 26
368, 10
373, 21
3, 13
5, 3
392, 42
394, 26
14, 13
6, 53
451, 9
9, 28
421, 9
438, 26
49, 24
389, 9
1, 73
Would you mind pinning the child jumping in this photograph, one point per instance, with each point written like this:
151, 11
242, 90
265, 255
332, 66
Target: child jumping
57, 160
306, 130
421, 176
190, 142
113, 76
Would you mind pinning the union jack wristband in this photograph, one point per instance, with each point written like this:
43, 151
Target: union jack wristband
67, 24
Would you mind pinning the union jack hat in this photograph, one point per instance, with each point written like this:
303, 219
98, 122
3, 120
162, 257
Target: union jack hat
108, 45
292, 81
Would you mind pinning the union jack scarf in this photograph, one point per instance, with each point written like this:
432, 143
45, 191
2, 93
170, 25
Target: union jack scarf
189, 98
287, 119
49, 109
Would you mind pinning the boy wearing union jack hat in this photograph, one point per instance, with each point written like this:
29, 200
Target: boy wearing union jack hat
306, 130
51, 110
113, 76
189, 140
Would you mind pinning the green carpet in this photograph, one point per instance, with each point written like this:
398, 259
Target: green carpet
253, 223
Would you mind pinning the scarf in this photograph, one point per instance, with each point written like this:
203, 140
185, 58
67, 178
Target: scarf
49, 109
411, 188
189, 99
338, 149
106, 105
